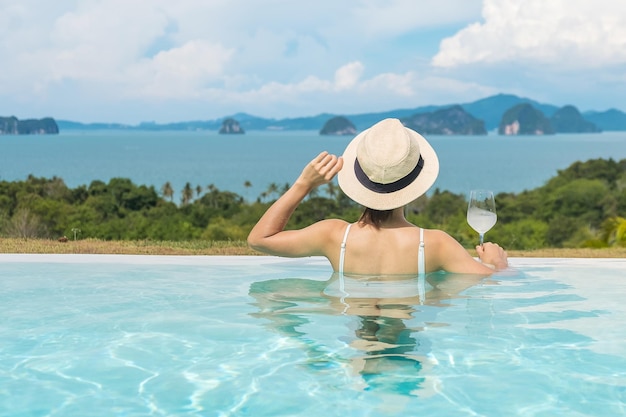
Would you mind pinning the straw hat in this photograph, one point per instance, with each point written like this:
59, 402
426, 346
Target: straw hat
388, 166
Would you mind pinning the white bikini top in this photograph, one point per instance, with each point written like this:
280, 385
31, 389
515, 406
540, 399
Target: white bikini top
421, 269
363, 287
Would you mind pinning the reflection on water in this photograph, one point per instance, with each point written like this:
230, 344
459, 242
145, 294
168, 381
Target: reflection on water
383, 322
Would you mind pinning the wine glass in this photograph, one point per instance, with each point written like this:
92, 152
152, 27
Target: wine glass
481, 212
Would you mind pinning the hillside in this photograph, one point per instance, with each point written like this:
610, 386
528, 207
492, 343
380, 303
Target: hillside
569, 120
13, 126
524, 119
612, 119
451, 121
490, 110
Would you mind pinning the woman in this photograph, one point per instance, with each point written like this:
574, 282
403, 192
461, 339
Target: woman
383, 168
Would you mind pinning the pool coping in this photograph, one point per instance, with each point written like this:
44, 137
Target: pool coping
259, 260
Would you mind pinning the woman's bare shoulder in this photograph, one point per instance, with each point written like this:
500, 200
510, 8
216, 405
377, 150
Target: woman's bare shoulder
437, 235
440, 240
333, 228
331, 224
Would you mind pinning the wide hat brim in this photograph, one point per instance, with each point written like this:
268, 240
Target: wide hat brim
353, 188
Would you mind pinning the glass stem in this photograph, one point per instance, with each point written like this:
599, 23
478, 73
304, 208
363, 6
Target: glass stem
482, 235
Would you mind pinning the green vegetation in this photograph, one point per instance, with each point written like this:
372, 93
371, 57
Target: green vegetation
583, 206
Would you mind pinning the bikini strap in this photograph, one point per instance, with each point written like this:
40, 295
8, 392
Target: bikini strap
342, 285
342, 254
421, 269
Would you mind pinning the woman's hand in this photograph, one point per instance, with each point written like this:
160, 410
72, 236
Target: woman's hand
321, 170
492, 254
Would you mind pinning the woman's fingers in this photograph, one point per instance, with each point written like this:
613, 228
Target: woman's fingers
321, 169
328, 165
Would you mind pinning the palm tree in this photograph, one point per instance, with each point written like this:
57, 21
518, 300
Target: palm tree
187, 194
213, 195
315, 192
331, 189
168, 191
247, 185
198, 190
614, 231
272, 189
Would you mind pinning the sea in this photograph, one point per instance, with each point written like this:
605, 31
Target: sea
249, 164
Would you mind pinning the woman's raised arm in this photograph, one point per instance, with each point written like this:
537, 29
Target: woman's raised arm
269, 236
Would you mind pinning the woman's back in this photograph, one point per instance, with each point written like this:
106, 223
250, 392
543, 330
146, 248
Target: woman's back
393, 248
382, 251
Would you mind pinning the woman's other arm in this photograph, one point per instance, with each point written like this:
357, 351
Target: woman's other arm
452, 257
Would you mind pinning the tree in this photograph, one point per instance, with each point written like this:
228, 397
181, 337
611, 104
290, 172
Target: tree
187, 194
614, 231
24, 224
588, 201
167, 191
444, 205
272, 190
331, 190
247, 185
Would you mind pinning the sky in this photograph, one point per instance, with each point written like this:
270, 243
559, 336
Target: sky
132, 61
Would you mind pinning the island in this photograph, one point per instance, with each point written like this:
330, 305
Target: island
13, 126
449, 121
231, 126
568, 119
524, 119
338, 125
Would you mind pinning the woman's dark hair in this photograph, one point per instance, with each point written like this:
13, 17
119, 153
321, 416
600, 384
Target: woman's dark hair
375, 217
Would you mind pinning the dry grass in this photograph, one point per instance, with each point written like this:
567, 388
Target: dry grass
140, 247
147, 247
569, 253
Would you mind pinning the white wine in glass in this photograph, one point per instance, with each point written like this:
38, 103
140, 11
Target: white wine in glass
481, 212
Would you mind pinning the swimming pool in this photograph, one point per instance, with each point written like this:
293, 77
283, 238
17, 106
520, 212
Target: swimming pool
96, 335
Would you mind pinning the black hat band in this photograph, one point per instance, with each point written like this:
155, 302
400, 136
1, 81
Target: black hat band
392, 187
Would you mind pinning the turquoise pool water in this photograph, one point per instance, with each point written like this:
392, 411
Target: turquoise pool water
257, 336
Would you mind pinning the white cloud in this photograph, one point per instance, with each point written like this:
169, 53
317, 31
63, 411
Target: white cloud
284, 58
568, 34
348, 75
381, 92
388, 18
181, 72
100, 41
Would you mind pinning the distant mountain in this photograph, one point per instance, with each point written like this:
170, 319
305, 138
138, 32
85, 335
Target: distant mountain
489, 109
231, 126
524, 119
69, 125
299, 123
449, 121
13, 126
338, 125
365, 120
568, 119
612, 119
